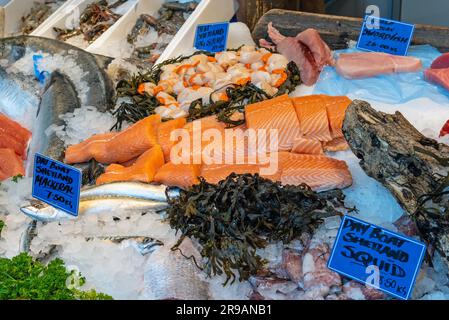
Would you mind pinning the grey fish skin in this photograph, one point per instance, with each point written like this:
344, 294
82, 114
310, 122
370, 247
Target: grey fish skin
18, 91
129, 189
143, 245
27, 236
169, 275
46, 213
62, 94
100, 93
59, 98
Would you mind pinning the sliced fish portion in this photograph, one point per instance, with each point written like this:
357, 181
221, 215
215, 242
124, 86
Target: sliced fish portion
369, 64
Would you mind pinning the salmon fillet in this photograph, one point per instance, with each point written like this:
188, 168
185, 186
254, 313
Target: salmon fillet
336, 111
369, 64
279, 114
321, 173
336, 145
143, 170
14, 129
178, 175
14, 136
10, 164
9, 142
163, 135
198, 137
120, 147
215, 173
304, 145
312, 114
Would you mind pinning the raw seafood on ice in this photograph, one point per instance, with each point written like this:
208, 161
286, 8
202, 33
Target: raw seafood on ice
307, 50
369, 64
439, 71
10, 164
14, 136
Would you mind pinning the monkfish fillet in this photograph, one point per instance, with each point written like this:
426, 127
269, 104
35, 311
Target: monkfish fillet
369, 64
117, 148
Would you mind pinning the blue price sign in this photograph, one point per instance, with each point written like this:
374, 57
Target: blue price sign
375, 256
212, 37
383, 35
57, 184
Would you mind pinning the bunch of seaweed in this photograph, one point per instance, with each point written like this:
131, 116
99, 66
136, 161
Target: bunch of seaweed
143, 105
244, 213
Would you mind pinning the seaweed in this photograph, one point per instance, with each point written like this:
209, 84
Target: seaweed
92, 172
140, 106
243, 213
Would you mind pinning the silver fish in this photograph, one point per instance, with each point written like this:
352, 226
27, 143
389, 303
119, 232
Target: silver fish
169, 275
27, 236
62, 93
137, 190
144, 245
18, 94
45, 213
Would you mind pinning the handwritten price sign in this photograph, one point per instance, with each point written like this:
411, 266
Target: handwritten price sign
212, 37
383, 35
57, 184
375, 256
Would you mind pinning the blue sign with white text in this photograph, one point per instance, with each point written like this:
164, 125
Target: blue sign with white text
383, 35
56, 184
212, 37
377, 257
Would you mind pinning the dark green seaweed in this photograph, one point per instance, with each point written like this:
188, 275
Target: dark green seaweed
244, 213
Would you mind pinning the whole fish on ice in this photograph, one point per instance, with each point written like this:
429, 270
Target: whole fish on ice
108, 198
130, 189
169, 275
76, 78
46, 213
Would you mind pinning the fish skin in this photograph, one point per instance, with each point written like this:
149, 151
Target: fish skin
17, 90
60, 95
27, 236
169, 275
144, 245
46, 213
137, 190
100, 95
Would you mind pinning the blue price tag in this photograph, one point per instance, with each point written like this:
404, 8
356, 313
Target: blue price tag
57, 184
375, 256
40, 75
383, 35
212, 37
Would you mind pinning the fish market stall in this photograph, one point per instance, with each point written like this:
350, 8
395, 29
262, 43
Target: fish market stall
144, 32
82, 22
23, 17
231, 171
